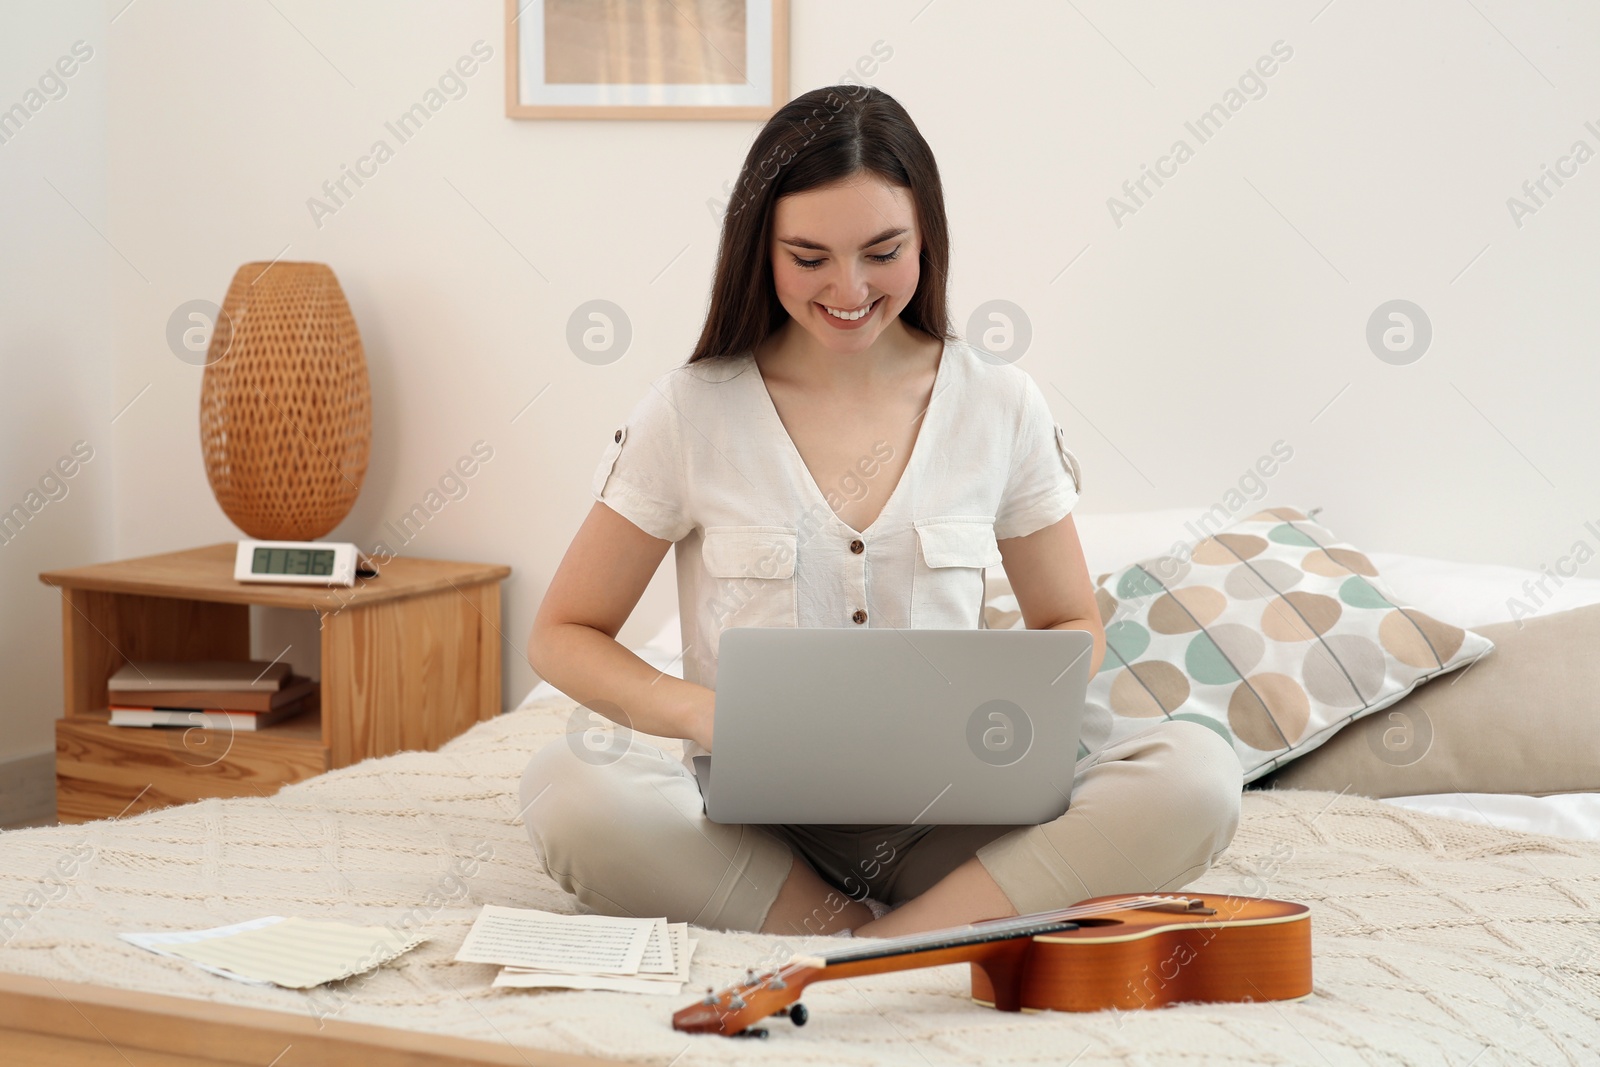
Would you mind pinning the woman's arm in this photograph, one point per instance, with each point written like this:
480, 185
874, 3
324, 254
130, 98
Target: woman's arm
573, 645
1052, 584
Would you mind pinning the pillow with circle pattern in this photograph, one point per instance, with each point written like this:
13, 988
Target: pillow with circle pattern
1270, 632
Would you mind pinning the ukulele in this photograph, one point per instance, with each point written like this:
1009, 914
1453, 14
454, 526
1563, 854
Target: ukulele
1123, 951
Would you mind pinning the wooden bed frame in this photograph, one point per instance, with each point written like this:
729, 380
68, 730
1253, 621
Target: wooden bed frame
44, 1023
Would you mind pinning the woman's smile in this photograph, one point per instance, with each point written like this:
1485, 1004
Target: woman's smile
848, 319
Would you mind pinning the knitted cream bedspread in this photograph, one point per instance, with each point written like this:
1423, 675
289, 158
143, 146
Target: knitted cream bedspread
1435, 941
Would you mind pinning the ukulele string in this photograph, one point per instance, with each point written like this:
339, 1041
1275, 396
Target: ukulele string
1013, 925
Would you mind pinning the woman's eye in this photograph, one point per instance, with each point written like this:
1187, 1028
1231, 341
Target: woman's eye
810, 264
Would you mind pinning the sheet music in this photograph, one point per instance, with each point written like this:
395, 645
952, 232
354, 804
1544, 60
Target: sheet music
644, 982
294, 953
661, 952
542, 940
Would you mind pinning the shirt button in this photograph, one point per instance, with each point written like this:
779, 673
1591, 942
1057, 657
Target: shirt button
859, 616
617, 436
857, 547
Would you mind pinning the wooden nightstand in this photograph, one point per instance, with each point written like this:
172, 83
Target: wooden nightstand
410, 659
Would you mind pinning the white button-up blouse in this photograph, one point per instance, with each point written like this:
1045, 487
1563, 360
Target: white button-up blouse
704, 461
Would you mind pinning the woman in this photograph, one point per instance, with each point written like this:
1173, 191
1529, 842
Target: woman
827, 430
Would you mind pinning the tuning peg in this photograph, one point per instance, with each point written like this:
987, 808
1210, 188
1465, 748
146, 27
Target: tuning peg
797, 1013
752, 1031
777, 983
737, 1003
710, 997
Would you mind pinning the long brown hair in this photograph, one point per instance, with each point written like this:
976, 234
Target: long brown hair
820, 137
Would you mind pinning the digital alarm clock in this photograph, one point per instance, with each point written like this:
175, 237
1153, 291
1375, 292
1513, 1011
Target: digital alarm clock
300, 562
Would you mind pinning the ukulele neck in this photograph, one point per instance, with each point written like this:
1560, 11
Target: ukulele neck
958, 944
943, 941
980, 947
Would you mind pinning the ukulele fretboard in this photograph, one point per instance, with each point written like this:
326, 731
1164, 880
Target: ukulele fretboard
981, 932
869, 951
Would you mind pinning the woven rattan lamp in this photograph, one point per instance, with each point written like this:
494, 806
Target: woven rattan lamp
285, 408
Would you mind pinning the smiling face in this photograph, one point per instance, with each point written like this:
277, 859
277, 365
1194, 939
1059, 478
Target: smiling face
851, 247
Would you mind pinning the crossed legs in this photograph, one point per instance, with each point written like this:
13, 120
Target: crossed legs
627, 835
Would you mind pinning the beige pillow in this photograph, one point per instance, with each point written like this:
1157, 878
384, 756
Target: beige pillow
1526, 719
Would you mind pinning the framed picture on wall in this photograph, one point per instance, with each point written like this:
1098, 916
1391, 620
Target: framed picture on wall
646, 59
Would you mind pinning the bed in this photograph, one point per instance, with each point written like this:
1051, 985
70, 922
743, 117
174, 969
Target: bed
1447, 928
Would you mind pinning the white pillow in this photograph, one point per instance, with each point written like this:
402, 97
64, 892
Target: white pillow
1111, 539
1477, 594
1468, 594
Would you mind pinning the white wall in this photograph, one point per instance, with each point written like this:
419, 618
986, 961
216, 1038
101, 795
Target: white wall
55, 358
1227, 313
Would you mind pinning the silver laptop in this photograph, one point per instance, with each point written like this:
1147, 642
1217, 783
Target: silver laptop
884, 726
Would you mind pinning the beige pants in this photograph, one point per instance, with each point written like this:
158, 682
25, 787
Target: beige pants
624, 830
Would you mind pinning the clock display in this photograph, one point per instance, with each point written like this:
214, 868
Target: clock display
308, 561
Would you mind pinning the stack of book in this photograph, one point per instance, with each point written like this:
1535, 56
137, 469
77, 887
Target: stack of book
221, 694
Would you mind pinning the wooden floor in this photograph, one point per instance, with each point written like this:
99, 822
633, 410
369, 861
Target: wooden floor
44, 1023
